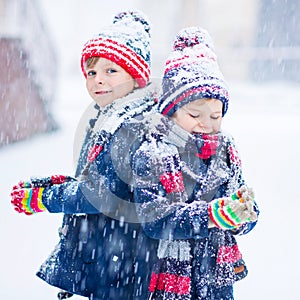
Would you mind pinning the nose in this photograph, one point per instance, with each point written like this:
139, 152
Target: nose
204, 124
99, 78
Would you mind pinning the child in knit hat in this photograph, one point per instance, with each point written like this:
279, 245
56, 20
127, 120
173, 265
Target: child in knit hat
100, 254
189, 189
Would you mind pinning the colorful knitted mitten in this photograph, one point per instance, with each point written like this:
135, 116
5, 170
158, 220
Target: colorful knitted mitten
27, 195
28, 200
231, 212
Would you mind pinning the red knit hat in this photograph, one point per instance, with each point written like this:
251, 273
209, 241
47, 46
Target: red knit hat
126, 42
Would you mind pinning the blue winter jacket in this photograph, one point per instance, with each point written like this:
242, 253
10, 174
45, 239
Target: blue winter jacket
103, 251
174, 181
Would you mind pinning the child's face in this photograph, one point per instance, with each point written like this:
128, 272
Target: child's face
200, 116
107, 81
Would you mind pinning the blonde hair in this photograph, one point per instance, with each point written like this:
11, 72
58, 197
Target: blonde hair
91, 62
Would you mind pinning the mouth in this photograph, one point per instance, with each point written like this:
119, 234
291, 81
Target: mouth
102, 92
201, 132
206, 133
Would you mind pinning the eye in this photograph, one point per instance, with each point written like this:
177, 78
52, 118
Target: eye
111, 71
91, 73
215, 117
194, 115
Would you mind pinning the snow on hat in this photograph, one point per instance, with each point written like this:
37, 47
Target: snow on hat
191, 72
126, 42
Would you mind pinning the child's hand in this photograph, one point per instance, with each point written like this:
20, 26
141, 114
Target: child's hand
232, 212
27, 195
27, 200
246, 195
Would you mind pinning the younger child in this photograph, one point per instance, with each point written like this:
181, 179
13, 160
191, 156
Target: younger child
100, 254
189, 190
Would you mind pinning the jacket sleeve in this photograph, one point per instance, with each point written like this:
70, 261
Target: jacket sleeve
70, 198
162, 202
100, 190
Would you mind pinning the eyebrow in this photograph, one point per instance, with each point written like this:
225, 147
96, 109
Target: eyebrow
216, 112
188, 109
111, 64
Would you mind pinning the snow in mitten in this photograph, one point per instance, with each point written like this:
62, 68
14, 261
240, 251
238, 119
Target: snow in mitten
27, 195
231, 212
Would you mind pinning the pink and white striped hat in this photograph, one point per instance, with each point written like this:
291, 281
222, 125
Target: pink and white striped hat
126, 42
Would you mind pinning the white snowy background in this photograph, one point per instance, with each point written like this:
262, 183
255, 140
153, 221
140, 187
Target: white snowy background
264, 119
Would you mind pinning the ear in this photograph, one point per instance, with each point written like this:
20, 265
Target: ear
136, 84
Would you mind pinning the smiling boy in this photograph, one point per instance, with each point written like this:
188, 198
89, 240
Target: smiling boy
200, 116
107, 81
189, 189
100, 255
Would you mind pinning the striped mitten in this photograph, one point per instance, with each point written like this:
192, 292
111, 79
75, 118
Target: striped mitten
27, 195
28, 200
231, 212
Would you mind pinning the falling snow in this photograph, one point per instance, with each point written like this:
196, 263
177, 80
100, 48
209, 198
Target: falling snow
264, 120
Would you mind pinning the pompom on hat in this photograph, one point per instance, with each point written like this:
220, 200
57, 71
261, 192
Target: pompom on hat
192, 72
126, 42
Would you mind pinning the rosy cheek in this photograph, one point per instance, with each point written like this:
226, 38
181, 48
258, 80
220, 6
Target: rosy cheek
217, 127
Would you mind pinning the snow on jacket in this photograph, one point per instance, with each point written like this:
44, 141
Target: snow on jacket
102, 252
173, 186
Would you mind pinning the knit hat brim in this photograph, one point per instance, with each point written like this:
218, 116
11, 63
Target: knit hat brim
172, 100
120, 54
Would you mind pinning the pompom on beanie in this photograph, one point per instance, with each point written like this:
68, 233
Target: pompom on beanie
191, 72
126, 42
